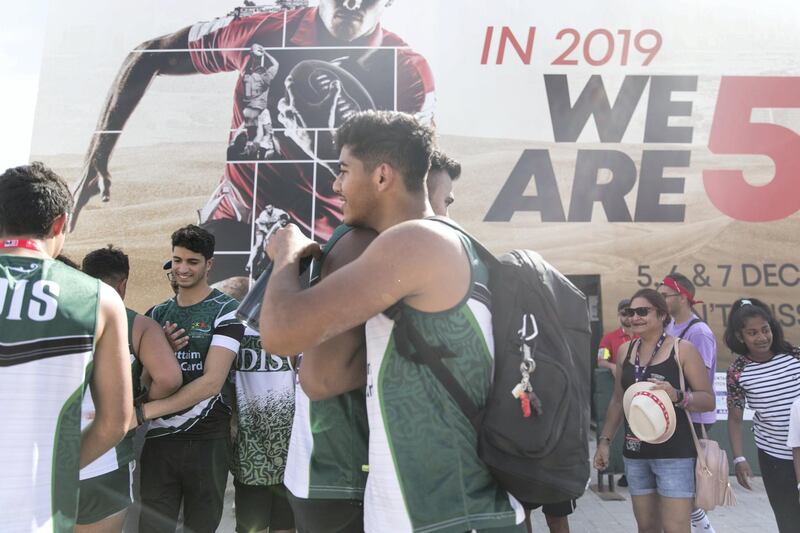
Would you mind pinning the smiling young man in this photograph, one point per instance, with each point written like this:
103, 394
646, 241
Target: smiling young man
424, 470
185, 456
60, 330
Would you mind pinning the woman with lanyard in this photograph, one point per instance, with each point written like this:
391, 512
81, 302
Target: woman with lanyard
765, 377
660, 476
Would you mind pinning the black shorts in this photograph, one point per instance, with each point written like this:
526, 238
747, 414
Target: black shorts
105, 495
323, 516
260, 507
559, 509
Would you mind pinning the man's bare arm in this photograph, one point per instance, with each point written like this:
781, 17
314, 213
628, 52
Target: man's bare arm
130, 85
339, 364
217, 365
416, 261
157, 357
111, 388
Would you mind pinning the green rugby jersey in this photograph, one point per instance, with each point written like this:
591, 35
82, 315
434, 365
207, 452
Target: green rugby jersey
424, 471
265, 403
209, 322
120, 455
48, 317
328, 445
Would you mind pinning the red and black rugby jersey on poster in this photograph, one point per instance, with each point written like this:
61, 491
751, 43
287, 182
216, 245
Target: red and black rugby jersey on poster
291, 37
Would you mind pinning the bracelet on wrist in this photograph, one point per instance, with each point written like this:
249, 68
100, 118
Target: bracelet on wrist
687, 398
740, 459
602, 438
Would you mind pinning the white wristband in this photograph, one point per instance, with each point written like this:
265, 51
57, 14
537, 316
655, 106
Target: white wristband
740, 459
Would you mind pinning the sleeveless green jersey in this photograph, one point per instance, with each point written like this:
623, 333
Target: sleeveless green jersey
48, 317
424, 470
328, 444
123, 453
209, 322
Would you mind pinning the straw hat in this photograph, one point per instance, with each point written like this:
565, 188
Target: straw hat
650, 413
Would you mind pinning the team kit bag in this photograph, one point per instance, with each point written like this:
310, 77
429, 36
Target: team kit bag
533, 430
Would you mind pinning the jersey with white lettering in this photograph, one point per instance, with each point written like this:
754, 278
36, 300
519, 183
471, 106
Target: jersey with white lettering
120, 455
211, 322
48, 317
424, 469
265, 403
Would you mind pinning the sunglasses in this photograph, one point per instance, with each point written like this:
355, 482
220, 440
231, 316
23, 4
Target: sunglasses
631, 311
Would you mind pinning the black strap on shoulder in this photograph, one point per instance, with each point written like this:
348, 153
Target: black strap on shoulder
692, 323
631, 344
411, 345
484, 252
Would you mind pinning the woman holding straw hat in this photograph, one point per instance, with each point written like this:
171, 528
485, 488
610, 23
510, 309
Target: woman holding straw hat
659, 451
766, 378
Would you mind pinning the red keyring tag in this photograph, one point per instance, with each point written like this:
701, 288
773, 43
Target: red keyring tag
525, 403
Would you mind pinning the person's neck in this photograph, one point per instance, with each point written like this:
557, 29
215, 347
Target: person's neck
626, 331
192, 295
761, 358
403, 209
46, 247
650, 338
683, 315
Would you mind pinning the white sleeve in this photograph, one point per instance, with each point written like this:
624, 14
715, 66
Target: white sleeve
794, 426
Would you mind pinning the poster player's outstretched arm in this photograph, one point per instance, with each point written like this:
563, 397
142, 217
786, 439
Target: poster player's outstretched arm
130, 85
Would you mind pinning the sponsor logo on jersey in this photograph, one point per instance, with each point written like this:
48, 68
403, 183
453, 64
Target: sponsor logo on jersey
24, 270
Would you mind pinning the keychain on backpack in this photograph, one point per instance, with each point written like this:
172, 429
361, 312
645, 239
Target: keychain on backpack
523, 391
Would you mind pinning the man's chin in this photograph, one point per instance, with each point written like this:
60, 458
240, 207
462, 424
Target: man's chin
345, 29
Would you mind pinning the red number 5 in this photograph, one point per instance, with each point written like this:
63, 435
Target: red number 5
733, 133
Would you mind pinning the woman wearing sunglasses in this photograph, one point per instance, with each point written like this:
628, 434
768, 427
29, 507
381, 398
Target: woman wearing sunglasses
765, 377
660, 475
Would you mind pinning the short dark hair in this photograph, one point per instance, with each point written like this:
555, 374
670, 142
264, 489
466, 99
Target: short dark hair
441, 161
745, 308
196, 239
31, 198
107, 263
684, 282
623, 304
656, 300
398, 139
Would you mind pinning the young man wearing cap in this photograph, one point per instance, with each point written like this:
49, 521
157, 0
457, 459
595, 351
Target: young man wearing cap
679, 293
185, 456
611, 341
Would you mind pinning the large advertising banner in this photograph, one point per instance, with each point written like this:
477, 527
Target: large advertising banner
621, 140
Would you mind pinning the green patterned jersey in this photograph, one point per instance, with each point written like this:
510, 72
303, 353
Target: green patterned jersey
328, 446
424, 471
211, 322
265, 403
48, 316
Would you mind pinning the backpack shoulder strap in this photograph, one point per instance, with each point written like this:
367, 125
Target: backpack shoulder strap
411, 345
484, 252
692, 323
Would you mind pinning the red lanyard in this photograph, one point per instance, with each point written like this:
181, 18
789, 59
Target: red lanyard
20, 243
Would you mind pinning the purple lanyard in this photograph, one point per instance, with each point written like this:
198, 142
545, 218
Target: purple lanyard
638, 371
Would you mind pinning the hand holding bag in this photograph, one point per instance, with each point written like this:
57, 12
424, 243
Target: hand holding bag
712, 486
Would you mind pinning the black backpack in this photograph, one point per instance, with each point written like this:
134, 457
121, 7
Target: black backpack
544, 457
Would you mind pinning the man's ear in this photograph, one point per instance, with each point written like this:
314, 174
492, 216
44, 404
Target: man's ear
209, 264
122, 287
59, 225
384, 176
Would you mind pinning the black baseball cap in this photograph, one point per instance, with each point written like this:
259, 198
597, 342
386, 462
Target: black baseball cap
167, 265
625, 302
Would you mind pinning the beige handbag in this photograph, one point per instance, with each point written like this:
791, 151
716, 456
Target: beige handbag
712, 486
